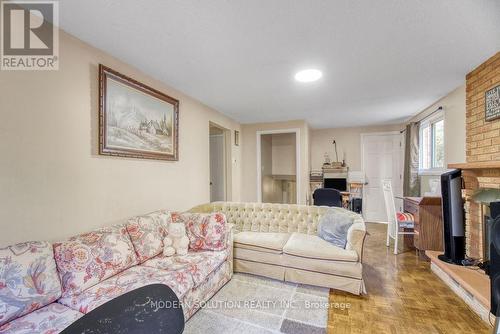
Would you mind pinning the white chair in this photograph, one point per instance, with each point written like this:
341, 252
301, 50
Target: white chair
394, 226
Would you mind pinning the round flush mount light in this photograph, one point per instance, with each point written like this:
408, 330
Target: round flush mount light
308, 75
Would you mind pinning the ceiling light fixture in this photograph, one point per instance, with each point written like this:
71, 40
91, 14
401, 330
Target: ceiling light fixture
308, 75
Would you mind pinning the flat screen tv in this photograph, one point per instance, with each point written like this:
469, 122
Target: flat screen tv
453, 217
336, 183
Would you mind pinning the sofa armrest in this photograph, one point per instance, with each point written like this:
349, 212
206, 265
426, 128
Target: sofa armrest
356, 236
230, 235
229, 244
355, 241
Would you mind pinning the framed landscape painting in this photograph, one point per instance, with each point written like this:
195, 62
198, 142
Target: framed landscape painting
135, 120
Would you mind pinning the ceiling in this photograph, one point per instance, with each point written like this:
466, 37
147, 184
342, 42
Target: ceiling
382, 61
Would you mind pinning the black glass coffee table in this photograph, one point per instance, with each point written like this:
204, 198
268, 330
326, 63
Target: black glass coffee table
150, 309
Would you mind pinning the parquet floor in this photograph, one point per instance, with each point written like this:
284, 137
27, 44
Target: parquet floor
404, 296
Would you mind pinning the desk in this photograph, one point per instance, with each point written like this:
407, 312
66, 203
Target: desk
428, 222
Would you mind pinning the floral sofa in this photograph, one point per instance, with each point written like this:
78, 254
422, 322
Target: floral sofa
280, 241
45, 287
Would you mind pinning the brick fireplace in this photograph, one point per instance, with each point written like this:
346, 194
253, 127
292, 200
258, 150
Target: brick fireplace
482, 169
477, 177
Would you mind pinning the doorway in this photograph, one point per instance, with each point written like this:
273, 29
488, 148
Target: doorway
381, 158
278, 166
219, 163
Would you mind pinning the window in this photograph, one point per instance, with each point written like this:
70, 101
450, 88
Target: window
432, 144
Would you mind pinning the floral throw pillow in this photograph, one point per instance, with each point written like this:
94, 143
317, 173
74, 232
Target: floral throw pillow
87, 259
162, 217
205, 231
28, 279
147, 236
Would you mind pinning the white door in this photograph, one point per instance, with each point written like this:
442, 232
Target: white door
217, 168
381, 159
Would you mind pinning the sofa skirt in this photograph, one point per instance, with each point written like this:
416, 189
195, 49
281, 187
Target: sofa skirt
349, 284
258, 268
352, 285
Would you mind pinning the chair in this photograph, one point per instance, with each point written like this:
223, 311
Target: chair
327, 197
397, 221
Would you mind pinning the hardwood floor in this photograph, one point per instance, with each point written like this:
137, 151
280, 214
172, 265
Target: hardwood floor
404, 296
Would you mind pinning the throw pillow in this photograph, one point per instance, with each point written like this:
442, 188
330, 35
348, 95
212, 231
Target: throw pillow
206, 231
28, 279
147, 235
162, 217
333, 227
87, 259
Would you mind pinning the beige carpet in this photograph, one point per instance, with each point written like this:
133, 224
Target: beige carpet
253, 304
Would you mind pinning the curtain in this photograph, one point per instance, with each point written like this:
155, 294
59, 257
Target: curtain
411, 181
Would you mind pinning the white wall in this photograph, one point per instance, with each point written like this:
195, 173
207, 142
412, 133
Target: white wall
348, 144
53, 184
283, 154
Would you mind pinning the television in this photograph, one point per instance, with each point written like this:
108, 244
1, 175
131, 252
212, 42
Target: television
335, 183
453, 217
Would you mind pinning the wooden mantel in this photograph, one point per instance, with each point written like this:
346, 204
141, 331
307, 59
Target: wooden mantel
476, 165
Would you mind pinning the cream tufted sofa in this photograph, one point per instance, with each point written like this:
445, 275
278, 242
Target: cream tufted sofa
280, 241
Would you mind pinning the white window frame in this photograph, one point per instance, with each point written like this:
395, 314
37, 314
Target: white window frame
424, 123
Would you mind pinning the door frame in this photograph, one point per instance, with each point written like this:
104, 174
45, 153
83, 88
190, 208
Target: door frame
401, 157
226, 133
297, 159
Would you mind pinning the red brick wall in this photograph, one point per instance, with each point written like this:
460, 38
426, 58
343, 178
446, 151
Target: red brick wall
482, 138
482, 144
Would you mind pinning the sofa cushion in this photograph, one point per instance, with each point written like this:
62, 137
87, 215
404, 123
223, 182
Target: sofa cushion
28, 279
162, 217
313, 247
147, 234
50, 319
206, 231
261, 241
198, 264
87, 259
179, 281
